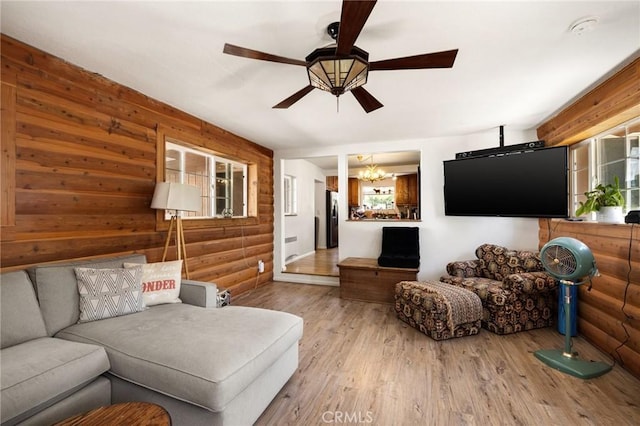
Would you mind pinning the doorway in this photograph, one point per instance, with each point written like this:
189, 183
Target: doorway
308, 246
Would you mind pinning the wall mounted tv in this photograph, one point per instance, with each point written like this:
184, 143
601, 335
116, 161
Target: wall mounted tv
528, 183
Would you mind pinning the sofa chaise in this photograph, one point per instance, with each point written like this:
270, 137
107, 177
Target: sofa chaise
205, 365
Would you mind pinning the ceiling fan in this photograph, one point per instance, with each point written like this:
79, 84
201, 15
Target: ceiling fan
342, 66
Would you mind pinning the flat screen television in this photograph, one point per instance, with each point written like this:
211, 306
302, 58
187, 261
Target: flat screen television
529, 183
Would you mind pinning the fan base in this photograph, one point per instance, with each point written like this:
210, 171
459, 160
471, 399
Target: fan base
571, 365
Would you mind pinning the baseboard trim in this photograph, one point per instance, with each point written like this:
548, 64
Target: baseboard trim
307, 279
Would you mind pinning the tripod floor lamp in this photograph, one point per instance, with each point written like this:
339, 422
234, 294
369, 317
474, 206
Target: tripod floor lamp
178, 197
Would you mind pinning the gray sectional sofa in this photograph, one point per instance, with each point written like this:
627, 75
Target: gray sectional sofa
205, 365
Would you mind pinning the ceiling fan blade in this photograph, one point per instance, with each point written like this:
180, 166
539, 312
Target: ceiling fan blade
366, 99
294, 98
255, 54
428, 60
353, 17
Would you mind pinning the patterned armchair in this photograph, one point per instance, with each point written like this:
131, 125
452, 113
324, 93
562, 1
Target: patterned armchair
516, 293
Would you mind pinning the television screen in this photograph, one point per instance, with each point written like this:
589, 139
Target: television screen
530, 183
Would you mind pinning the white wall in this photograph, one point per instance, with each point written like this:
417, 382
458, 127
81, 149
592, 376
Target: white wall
321, 212
309, 178
442, 238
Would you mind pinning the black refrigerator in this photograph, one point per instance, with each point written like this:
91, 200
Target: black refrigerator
332, 219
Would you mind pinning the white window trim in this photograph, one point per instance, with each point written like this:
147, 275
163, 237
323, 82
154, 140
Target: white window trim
173, 144
593, 161
290, 199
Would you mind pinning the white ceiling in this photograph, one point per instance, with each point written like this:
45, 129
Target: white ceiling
517, 64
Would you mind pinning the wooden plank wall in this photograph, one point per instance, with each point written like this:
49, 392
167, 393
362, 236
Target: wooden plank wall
609, 314
79, 169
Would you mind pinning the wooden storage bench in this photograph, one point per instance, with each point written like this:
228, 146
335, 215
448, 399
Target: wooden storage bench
362, 279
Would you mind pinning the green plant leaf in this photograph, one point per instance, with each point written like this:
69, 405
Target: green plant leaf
602, 196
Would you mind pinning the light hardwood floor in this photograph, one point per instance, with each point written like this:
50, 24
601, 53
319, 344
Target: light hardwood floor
322, 262
359, 364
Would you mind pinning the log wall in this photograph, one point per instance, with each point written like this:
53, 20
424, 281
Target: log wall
79, 166
609, 314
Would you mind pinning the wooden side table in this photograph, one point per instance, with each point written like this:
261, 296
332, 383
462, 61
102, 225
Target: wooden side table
124, 414
363, 279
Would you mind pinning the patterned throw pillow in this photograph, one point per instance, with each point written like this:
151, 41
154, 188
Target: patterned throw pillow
106, 293
160, 281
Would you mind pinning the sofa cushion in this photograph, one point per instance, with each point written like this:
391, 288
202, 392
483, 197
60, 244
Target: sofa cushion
57, 289
203, 356
160, 281
106, 293
40, 372
19, 311
96, 393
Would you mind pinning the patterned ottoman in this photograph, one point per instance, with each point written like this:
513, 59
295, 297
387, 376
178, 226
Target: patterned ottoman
441, 311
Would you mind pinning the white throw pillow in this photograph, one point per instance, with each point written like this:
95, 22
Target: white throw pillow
106, 293
160, 281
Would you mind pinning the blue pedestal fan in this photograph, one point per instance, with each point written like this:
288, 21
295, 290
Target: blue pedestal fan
569, 261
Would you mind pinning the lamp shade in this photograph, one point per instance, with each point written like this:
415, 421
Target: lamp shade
337, 74
176, 196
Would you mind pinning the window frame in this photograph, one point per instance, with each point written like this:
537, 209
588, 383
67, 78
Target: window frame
290, 192
385, 191
199, 141
211, 180
595, 165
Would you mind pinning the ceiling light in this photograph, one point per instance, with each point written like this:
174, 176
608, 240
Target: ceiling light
584, 25
337, 74
372, 173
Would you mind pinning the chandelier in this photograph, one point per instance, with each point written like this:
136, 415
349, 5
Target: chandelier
372, 173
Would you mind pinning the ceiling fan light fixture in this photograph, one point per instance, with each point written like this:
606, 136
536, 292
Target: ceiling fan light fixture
337, 74
342, 66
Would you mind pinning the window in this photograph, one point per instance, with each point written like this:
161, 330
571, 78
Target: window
377, 198
602, 158
222, 182
290, 198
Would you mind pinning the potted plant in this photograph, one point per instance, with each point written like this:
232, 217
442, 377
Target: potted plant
606, 200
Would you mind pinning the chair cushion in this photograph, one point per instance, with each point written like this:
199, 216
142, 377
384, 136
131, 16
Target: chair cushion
203, 356
19, 311
57, 288
45, 370
465, 268
400, 247
485, 288
497, 262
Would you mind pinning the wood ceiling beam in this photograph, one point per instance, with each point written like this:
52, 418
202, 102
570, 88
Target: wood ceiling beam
608, 105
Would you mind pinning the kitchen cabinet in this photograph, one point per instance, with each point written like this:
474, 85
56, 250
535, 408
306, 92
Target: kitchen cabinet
354, 192
332, 183
407, 190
